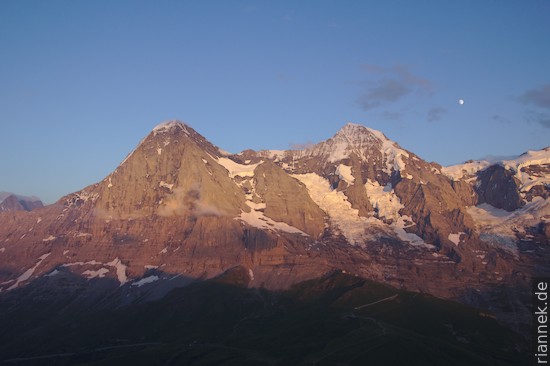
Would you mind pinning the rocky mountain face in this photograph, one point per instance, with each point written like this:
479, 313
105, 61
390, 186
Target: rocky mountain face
178, 209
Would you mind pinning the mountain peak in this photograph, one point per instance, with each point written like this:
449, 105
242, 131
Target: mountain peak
14, 202
355, 137
170, 126
351, 129
351, 125
354, 131
163, 136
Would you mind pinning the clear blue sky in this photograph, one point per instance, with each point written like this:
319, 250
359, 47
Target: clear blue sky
81, 82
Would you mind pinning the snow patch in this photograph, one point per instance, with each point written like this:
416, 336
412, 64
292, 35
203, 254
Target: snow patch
164, 251
256, 206
411, 238
92, 262
116, 263
100, 273
38, 220
258, 219
166, 185
455, 238
336, 205
49, 238
159, 150
120, 270
29, 272
383, 200
53, 273
344, 172
150, 266
235, 169
223, 152
488, 217
145, 281
251, 274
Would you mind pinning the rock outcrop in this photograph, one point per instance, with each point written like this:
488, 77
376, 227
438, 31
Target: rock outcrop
499, 188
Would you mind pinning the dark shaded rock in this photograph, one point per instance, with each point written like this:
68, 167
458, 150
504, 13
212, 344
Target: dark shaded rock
544, 228
499, 187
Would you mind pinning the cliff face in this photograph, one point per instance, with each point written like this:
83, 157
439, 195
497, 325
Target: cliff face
499, 188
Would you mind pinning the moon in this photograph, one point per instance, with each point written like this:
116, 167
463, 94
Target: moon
461, 101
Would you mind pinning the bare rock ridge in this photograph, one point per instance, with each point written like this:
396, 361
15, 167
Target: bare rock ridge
358, 202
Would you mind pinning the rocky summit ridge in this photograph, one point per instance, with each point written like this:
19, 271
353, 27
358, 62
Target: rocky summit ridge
179, 207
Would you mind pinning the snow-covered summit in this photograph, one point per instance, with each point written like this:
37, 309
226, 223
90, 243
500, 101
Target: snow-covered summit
366, 143
357, 133
359, 136
170, 126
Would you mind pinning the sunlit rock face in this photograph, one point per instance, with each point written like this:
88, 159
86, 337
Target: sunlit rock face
179, 207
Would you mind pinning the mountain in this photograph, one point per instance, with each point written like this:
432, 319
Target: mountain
13, 202
179, 210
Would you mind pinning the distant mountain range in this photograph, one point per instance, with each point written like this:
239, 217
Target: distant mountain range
14, 202
178, 210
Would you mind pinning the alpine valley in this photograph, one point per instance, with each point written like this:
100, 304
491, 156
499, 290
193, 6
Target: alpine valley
351, 251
